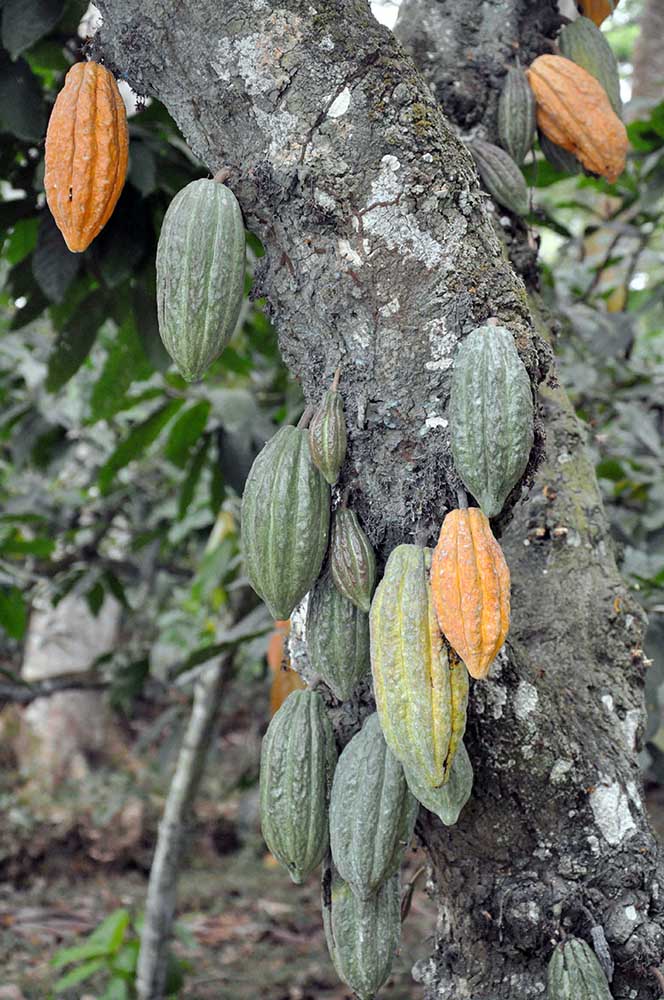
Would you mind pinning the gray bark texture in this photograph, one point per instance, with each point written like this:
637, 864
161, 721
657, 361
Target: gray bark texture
648, 79
381, 253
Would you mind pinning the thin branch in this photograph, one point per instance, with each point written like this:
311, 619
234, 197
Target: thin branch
24, 694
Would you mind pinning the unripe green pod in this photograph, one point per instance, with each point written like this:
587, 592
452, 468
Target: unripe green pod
516, 115
574, 973
337, 635
298, 757
362, 935
285, 521
200, 275
583, 43
559, 158
501, 176
372, 811
448, 800
352, 559
327, 436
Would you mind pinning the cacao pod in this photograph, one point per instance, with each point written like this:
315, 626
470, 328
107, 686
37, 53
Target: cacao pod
558, 157
284, 681
448, 800
85, 162
200, 275
327, 436
421, 692
583, 43
298, 757
575, 974
352, 559
574, 111
285, 521
372, 812
362, 934
598, 10
276, 645
471, 589
491, 416
337, 635
516, 115
501, 176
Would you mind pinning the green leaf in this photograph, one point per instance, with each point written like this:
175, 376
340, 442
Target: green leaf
78, 953
16, 545
142, 167
79, 975
139, 438
118, 989
22, 107
193, 475
111, 931
125, 363
22, 240
53, 264
144, 303
24, 22
74, 342
186, 431
124, 239
116, 589
13, 612
126, 958
95, 598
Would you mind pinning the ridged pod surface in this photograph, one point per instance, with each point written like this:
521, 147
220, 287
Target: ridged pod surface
362, 935
583, 43
575, 974
574, 111
448, 800
285, 521
372, 811
298, 757
337, 634
200, 275
352, 559
327, 436
421, 694
491, 416
470, 581
558, 157
516, 115
501, 176
598, 10
85, 161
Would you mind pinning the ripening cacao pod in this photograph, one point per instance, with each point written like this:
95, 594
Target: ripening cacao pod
285, 521
352, 559
200, 275
285, 680
516, 115
574, 111
276, 645
85, 162
471, 588
448, 800
501, 176
598, 10
558, 157
421, 691
491, 416
362, 934
327, 436
372, 811
575, 974
298, 757
583, 43
337, 634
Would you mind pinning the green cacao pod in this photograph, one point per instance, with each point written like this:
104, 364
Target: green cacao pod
559, 158
583, 43
200, 275
285, 521
448, 800
575, 974
421, 691
327, 436
516, 115
501, 176
362, 934
298, 757
491, 416
337, 634
352, 559
372, 811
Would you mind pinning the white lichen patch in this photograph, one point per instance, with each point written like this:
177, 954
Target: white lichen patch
630, 726
607, 701
633, 793
391, 307
490, 700
281, 128
441, 345
526, 700
630, 913
593, 844
560, 771
610, 805
324, 200
340, 104
346, 252
431, 422
326, 44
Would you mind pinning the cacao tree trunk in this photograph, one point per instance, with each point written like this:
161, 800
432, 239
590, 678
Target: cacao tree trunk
648, 79
381, 253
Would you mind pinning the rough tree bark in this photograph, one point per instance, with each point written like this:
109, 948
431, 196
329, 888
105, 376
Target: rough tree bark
381, 254
648, 79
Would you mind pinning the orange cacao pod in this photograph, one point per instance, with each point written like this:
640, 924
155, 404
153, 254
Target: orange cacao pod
276, 643
470, 585
597, 10
284, 681
574, 111
87, 147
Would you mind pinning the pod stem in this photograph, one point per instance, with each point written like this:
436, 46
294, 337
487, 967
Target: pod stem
222, 175
344, 500
303, 422
462, 499
335, 380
